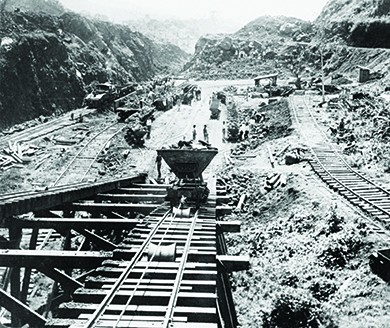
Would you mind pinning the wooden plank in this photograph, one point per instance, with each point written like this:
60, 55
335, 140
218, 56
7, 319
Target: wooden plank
138, 191
145, 297
16, 307
230, 226
69, 223
108, 207
130, 198
99, 241
73, 309
56, 259
68, 283
234, 263
33, 201
223, 210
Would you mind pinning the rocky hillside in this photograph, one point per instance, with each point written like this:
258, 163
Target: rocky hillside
47, 61
359, 23
182, 33
52, 7
265, 44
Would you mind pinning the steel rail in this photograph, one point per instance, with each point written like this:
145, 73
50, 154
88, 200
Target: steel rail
327, 171
79, 152
100, 150
143, 273
119, 282
340, 156
179, 276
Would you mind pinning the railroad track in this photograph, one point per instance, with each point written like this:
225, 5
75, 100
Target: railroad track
146, 286
332, 168
82, 162
43, 129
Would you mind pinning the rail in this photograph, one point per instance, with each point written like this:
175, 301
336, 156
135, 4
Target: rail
331, 167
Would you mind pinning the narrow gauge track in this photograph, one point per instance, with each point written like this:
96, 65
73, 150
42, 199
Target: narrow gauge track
139, 288
82, 162
43, 129
332, 168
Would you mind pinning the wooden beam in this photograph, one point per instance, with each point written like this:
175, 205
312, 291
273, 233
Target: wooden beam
15, 235
149, 185
67, 223
73, 310
220, 199
130, 198
27, 271
223, 210
140, 191
97, 240
23, 312
230, 226
232, 263
68, 283
54, 259
56, 196
108, 207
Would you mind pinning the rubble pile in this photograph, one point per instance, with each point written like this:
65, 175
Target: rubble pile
17, 154
239, 185
270, 122
359, 123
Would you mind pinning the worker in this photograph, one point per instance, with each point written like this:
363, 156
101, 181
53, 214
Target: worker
223, 131
158, 163
241, 132
178, 102
149, 126
141, 103
205, 134
194, 132
246, 130
198, 94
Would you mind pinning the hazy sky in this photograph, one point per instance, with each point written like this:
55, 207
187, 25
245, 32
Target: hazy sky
237, 11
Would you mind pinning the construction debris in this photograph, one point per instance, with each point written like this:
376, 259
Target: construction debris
16, 153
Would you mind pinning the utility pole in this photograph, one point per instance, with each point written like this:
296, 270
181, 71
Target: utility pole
322, 76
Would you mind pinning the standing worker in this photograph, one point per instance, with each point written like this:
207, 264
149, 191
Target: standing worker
223, 131
158, 163
194, 132
205, 134
149, 126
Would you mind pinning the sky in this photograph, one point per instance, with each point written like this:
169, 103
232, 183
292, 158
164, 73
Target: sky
237, 11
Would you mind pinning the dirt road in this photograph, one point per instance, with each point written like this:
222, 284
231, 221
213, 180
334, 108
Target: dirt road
171, 126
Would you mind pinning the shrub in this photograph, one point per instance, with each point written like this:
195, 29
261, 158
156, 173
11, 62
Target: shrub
292, 310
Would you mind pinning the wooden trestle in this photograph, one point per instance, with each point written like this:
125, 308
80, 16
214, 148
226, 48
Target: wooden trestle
126, 281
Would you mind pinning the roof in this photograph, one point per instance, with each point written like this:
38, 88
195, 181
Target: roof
261, 77
363, 67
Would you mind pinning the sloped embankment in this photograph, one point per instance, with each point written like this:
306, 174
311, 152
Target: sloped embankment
46, 61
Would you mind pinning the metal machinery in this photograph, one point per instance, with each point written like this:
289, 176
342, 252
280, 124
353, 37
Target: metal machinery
103, 96
188, 166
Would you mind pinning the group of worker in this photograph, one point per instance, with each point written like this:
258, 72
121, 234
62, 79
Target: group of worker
205, 133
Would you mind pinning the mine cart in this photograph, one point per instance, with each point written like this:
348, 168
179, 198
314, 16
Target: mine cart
188, 165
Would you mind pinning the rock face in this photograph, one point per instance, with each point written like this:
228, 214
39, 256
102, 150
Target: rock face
47, 61
264, 44
359, 23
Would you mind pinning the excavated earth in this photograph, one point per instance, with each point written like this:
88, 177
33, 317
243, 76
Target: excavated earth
309, 249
